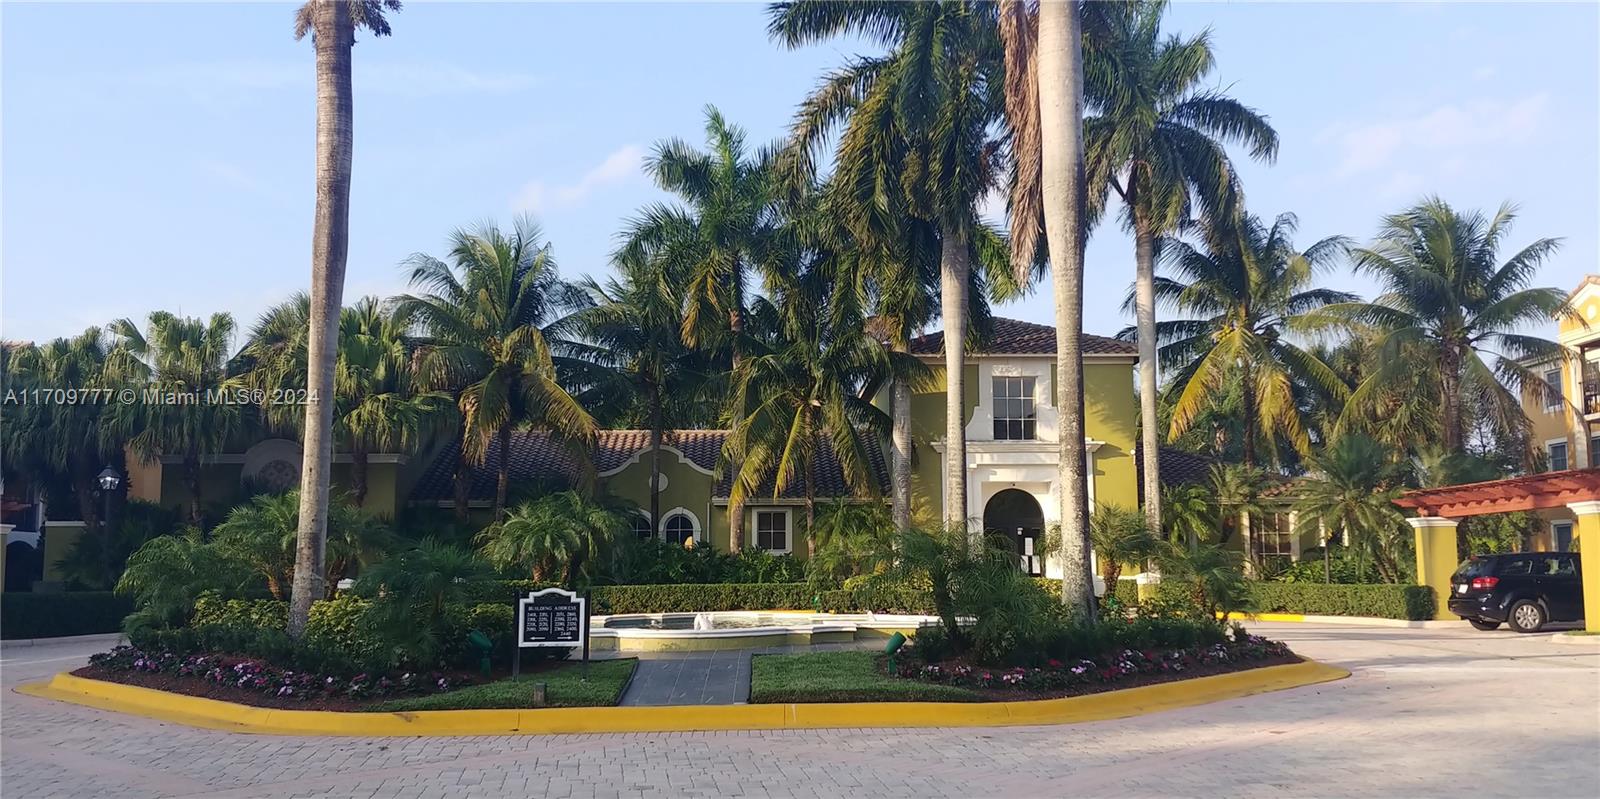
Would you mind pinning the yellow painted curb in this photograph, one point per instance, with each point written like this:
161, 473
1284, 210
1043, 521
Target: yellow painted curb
217, 715
1266, 616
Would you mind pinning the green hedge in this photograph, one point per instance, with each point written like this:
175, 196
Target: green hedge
1411, 602
705, 596
30, 615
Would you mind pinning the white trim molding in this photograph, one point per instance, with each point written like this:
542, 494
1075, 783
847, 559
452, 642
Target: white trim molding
639, 455
1426, 522
694, 521
1585, 508
788, 520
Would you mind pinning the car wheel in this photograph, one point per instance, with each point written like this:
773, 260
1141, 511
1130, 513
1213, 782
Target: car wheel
1484, 624
1526, 616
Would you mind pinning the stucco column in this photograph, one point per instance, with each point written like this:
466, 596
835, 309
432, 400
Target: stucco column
1587, 530
1436, 558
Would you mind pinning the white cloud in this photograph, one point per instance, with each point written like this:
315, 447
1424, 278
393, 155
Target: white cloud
1441, 135
536, 195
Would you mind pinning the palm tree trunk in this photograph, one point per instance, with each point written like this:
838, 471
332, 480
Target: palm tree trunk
463, 489
655, 458
811, 507
1144, 296
900, 456
736, 311
1060, 64
358, 474
1450, 398
953, 267
191, 481
502, 475
1247, 413
333, 34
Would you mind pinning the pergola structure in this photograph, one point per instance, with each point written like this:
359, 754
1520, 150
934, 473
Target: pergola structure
1439, 509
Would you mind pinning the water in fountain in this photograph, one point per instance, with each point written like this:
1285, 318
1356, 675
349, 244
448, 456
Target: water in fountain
702, 621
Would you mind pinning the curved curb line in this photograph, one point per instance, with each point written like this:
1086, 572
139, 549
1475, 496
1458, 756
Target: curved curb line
213, 714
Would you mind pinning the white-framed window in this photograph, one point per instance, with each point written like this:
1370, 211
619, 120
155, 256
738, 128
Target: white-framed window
1270, 534
1594, 451
642, 528
1557, 450
1015, 417
679, 525
1552, 400
773, 530
1561, 536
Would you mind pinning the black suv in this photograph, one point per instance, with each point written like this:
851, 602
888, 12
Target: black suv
1525, 590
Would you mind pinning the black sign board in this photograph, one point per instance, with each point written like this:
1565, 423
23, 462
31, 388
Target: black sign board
552, 617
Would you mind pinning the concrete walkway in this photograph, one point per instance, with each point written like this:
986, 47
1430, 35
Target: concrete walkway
702, 678
1429, 713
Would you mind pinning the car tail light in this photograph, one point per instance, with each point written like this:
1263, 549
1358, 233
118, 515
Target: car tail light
1484, 583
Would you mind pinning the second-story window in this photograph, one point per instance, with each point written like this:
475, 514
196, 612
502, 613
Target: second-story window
1552, 399
1558, 455
1014, 413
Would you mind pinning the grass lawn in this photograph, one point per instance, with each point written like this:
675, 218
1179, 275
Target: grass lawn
564, 687
839, 677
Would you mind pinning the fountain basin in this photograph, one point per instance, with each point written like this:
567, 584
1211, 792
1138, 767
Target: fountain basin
739, 629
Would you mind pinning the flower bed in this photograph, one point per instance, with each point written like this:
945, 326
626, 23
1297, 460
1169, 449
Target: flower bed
1122, 669
255, 682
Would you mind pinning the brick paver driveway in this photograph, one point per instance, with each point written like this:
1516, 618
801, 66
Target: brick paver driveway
1446, 713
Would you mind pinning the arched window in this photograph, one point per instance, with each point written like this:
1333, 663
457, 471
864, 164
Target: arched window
679, 527
641, 526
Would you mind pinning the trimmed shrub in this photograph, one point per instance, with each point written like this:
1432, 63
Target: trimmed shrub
29, 615
1411, 602
710, 596
880, 593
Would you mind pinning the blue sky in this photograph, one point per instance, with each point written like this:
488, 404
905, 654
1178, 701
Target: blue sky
160, 156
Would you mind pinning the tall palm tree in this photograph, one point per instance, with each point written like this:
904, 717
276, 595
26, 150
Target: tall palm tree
1246, 290
377, 406
653, 379
919, 140
1157, 142
332, 25
801, 386
1351, 491
717, 241
496, 323
181, 357
1447, 297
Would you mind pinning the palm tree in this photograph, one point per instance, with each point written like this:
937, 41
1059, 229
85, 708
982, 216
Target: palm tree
560, 535
801, 388
494, 329
1446, 298
263, 533
919, 142
1157, 141
62, 439
1351, 491
715, 241
1247, 290
1236, 489
186, 363
332, 25
1189, 513
651, 379
377, 408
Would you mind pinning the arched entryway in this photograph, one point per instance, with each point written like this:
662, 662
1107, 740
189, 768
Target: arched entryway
1016, 516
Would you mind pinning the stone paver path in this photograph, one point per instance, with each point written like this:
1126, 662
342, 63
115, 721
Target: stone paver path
1429, 713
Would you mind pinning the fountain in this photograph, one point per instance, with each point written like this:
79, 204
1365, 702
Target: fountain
740, 629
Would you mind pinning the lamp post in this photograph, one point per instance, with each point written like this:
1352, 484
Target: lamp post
109, 480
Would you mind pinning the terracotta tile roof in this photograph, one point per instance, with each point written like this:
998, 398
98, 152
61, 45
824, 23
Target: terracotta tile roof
536, 458
1015, 337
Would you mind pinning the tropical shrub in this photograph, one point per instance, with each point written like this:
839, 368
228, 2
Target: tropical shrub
1343, 566
562, 536
96, 562
170, 572
262, 533
1210, 575
411, 592
1413, 602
